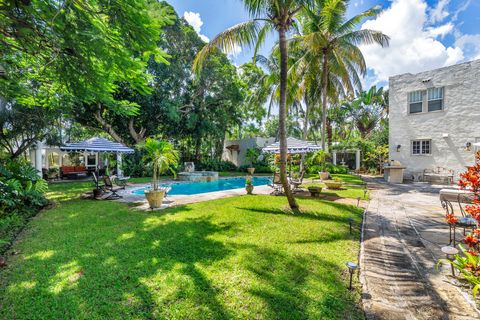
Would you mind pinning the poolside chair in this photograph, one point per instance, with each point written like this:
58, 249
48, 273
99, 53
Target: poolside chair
276, 184
98, 185
297, 182
121, 182
110, 188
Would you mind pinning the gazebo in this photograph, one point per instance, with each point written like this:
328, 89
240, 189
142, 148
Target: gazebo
99, 145
294, 146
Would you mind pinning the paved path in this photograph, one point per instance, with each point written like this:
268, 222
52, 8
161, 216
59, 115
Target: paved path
403, 233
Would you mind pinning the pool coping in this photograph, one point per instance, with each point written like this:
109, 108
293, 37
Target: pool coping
139, 202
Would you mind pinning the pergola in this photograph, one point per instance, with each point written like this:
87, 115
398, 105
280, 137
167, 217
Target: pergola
99, 145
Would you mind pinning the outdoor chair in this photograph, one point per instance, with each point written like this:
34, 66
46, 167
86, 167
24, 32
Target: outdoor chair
448, 198
110, 188
98, 185
276, 184
297, 182
121, 182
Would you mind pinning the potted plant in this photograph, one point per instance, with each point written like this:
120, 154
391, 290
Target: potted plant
334, 184
52, 173
249, 184
319, 157
251, 155
162, 157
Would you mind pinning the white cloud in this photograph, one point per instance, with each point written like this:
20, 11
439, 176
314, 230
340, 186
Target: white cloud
235, 52
194, 19
439, 13
413, 46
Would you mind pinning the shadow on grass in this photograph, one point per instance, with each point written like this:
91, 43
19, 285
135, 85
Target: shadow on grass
284, 284
104, 272
323, 215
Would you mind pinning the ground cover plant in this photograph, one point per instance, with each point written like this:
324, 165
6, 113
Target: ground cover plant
245, 257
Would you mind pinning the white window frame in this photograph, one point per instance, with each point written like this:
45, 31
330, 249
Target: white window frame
436, 99
425, 100
410, 102
423, 143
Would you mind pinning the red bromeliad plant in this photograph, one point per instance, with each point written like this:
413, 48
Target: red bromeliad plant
470, 180
468, 264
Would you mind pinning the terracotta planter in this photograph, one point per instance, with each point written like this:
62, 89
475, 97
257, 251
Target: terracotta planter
154, 198
324, 175
251, 170
249, 188
333, 185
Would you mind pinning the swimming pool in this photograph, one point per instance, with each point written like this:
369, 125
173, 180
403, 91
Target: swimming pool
189, 188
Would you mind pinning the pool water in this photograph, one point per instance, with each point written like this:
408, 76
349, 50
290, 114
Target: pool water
189, 188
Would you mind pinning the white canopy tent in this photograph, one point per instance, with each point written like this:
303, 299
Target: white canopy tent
294, 146
98, 145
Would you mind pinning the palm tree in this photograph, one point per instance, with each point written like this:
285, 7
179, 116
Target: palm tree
162, 156
267, 15
331, 49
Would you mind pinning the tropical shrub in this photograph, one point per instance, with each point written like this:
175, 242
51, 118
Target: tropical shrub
469, 264
21, 196
134, 166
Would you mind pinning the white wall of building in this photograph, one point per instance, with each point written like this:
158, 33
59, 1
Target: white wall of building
449, 129
238, 157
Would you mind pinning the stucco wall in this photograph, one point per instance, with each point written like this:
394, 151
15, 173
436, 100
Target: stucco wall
238, 158
459, 119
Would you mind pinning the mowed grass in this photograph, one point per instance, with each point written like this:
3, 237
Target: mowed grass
353, 186
246, 257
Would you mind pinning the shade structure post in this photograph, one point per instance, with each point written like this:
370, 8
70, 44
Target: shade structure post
357, 159
119, 165
38, 157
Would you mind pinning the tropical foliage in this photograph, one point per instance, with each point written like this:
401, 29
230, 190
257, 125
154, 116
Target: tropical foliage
21, 195
161, 156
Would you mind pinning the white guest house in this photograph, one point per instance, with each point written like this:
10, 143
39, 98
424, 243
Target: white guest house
435, 120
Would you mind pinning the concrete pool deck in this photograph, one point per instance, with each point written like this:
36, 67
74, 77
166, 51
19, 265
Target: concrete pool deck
141, 203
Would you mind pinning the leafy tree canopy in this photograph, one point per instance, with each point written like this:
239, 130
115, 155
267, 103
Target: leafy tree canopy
78, 50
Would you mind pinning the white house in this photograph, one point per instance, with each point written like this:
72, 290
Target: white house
435, 118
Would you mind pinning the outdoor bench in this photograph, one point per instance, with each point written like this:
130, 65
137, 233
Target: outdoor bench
438, 172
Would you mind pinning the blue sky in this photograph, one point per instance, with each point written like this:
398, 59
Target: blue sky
425, 34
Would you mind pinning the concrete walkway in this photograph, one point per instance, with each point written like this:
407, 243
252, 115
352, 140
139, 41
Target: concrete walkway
404, 231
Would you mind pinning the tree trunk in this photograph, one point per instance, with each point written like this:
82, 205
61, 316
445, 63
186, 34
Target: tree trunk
138, 137
106, 126
282, 118
329, 133
324, 98
305, 134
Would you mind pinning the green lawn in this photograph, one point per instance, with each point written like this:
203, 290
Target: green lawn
353, 187
243, 258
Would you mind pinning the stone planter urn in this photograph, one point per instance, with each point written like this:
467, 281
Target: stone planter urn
333, 185
155, 198
324, 175
249, 188
250, 171
315, 191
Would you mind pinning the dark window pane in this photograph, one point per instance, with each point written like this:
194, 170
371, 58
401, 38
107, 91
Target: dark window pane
435, 105
415, 107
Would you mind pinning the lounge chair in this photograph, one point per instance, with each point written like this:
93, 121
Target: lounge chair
98, 185
276, 184
110, 188
121, 182
297, 182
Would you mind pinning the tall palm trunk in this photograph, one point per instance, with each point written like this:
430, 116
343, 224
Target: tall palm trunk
305, 133
282, 117
324, 98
